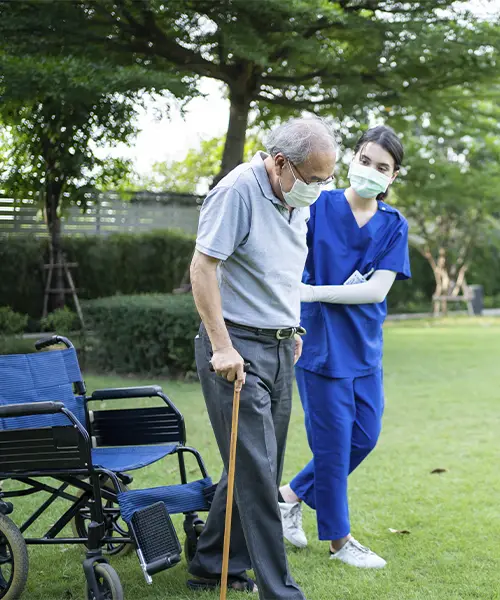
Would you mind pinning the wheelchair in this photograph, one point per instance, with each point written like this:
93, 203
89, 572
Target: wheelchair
55, 438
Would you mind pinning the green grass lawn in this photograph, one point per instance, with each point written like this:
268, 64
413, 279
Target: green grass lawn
443, 411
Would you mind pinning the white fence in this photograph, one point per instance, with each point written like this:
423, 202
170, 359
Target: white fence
107, 215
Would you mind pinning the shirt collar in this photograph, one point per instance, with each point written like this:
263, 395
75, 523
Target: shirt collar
259, 170
386, 207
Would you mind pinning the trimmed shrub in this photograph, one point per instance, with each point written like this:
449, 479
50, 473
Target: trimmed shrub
152, 262
11, 322
16, 345
151, 334
62, 321
21, 273
119, 263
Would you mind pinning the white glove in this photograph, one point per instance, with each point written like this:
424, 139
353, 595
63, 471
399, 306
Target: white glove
307, 293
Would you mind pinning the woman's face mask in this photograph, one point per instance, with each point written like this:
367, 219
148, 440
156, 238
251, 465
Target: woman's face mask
302, 194
367, 182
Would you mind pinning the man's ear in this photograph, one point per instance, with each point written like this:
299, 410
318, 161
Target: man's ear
395, 174
279, 163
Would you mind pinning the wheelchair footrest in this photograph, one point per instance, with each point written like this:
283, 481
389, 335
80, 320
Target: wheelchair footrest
158, 546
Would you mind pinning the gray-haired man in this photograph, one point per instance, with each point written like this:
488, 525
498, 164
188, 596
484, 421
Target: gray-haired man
250, 254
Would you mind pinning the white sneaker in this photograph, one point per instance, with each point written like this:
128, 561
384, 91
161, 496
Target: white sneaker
291, 517
356, 555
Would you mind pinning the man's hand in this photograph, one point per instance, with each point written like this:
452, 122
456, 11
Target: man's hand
228, 363
298, 348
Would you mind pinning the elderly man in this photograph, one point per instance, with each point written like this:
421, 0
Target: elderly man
250, 254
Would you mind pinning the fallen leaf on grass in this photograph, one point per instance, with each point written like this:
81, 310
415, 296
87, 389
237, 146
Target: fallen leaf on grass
439, 471
400, 531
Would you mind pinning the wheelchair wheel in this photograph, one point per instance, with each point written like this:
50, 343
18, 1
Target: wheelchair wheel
108, 583
115, 525
13, 560
192, 535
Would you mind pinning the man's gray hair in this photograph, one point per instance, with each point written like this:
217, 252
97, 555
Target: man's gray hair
296, 139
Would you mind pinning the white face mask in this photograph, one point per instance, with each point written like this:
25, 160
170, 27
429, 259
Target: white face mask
366, 181
301, 194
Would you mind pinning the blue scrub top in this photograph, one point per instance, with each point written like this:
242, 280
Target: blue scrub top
346, 340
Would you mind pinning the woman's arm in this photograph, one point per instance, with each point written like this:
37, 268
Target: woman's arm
372, 291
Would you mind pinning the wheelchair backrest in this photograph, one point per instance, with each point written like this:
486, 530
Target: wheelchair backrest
40, 377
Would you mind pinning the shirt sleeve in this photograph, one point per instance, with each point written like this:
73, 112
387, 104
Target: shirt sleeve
372, 291
224, 223
397, 256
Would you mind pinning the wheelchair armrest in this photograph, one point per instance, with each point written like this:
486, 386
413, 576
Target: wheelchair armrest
147, 391
27, 409
52, 341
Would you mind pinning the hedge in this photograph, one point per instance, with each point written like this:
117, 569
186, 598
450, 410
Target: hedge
155, 262
16, 345
21, 273
107, 265
150, 334
11, 322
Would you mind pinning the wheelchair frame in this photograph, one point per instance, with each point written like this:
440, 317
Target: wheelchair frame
71, 446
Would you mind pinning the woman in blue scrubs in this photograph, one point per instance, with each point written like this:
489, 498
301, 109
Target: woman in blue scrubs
358, 247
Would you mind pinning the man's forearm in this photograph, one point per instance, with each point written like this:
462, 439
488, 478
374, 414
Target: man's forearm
207, 298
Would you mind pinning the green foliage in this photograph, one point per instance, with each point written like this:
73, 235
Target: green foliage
107, 265
451, 191
143, 334
21, 273
348, 59
56, 114
156, 261
62, 321
194, 173
11, 322
16, 345
129, 264
59, 111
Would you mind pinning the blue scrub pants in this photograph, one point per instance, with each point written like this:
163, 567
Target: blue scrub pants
343, 419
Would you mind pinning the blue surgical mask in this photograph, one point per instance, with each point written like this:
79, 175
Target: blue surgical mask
367, 182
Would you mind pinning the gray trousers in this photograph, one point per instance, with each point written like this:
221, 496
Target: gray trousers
265, 406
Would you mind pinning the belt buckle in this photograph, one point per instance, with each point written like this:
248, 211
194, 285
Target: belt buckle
280, 335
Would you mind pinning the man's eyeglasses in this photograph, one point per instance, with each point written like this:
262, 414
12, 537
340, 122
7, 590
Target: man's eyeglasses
321, 183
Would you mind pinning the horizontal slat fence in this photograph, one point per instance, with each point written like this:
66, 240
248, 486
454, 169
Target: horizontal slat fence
107, 214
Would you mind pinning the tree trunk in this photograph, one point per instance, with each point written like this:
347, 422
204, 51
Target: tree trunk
240, 98
450, 281
54, 224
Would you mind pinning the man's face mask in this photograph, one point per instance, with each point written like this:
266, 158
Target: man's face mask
366, 181
302, 194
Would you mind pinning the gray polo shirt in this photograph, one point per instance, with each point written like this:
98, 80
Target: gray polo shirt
262, 248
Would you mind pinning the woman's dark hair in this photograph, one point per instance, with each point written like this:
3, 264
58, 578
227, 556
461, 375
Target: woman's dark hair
386, 137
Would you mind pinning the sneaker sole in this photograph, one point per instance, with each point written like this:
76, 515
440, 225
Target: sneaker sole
358, 566
295, 544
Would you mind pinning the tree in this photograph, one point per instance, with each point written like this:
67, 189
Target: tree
194, 174
451, 195
55, 114
344, 58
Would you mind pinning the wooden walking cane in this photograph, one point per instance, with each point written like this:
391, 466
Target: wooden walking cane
230, 493
230, 488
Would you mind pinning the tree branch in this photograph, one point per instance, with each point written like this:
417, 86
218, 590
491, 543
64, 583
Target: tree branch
278, 79
183, 58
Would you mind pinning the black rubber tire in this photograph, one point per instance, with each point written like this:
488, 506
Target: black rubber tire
189, 546
80, 530
12, 541
108, 581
